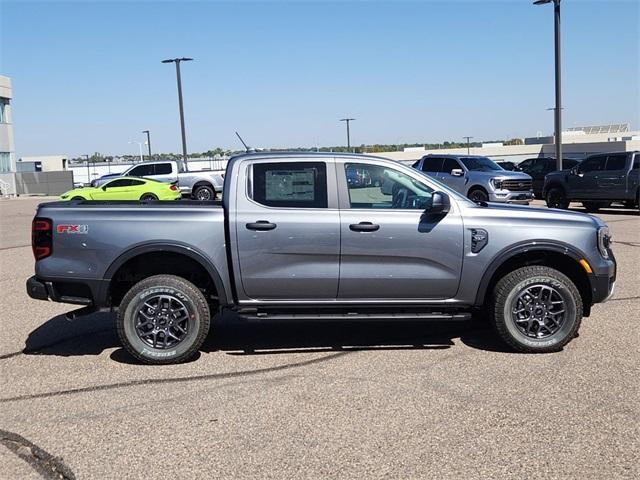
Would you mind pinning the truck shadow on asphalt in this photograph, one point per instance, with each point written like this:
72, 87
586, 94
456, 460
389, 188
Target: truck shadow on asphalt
93, 334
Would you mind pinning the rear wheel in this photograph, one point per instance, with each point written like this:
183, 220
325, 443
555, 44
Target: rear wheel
204, 193
147, 197
536, 309
478, 195
163, 319
77, 198
557, 198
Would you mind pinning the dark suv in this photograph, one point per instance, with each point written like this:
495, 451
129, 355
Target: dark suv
537, 169
597, 181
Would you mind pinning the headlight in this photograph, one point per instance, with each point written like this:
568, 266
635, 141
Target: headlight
604, 241
497, 183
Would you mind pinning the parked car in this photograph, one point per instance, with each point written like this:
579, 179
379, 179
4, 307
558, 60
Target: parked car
201, 185
538, 168
478, 178
507, 165
597, 181
293, 240
126, 188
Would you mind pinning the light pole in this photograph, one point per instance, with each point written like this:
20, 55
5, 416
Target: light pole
88, 172
184, 137
139, 149
558, 108
148, 141
348, 135
468, 138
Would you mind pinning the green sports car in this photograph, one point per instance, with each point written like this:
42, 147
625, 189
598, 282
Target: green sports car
126, 188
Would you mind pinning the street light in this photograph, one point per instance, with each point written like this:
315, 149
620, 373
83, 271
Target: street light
468, 138
148, 141
184, 138
348, 137
139, 148
558, 107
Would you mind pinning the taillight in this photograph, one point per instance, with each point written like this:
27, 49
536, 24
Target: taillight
173, 187
41, 238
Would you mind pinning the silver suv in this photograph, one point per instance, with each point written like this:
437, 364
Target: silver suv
478, 178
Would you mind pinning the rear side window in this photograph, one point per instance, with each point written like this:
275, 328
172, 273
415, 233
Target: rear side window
449, 164
142, 171
617, 162
432, 165
163, 169
290, 184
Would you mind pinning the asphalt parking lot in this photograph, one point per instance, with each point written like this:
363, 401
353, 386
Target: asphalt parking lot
405, 400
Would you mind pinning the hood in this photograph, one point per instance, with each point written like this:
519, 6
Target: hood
508, 210
506, 174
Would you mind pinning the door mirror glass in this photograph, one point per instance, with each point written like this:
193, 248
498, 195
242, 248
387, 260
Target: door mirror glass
457, 172
104, 188
440, 204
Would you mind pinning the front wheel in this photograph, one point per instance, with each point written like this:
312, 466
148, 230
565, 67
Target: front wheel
163, 319
478, 195
595, 206
536, 309
556, 198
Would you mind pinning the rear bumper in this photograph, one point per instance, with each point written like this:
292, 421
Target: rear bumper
506, 196
63, 290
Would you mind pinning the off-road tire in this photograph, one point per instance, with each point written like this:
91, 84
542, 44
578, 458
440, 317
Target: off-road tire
557, 198
188, 294
508, 288
477, 194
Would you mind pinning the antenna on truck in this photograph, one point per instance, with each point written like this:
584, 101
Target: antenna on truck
246, 147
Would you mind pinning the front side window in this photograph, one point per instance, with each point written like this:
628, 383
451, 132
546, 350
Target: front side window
387, 189
163, 169
480, 164
122, 182
450, 164
617, 162
290, 184
432, 165
142, 171
592, 164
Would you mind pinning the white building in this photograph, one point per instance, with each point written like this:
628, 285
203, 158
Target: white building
7, 147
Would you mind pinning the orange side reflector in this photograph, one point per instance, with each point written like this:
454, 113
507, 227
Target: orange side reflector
585, 265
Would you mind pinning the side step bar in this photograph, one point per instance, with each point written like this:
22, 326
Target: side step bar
353, 316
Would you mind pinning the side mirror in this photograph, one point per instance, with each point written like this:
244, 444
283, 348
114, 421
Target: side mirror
440, 204
104, 188
457, 172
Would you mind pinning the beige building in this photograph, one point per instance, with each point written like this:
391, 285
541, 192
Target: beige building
44, 163
7, 147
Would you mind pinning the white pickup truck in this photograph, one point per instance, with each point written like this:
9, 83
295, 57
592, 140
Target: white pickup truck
201, 185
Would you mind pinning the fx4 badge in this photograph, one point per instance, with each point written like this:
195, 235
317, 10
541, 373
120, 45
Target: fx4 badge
72, 229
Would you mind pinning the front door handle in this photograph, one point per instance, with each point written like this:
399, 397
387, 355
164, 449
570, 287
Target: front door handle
364, 227
261, 225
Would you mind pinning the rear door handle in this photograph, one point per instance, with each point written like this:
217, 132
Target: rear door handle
364, 227
261, 225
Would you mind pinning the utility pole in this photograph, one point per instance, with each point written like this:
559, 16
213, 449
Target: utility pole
148, 141
88, 172
347, 120
558, 107
179, 80
468, 149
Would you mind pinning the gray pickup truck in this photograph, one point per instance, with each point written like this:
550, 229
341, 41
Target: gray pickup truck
294, 238
597, 181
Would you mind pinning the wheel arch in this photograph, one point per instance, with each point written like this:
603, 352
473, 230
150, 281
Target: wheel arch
555, 184
560, 256
165, 254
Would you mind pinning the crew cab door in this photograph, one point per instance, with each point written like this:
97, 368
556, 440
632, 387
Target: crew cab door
584, 182
287, 230
165, 172
390, 249
613, 180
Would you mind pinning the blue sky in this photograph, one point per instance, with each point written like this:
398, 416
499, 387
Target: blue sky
87, 75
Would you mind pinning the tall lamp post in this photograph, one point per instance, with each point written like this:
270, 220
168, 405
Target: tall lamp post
348, 135
184, 137
558, 107
148, 141
468, 146
139, 148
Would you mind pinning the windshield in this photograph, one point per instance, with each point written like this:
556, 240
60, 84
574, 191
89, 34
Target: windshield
480, 164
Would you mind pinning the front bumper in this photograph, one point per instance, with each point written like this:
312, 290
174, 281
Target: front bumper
506, 196
603, 284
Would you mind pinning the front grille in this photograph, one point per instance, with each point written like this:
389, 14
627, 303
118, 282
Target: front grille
517, 185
